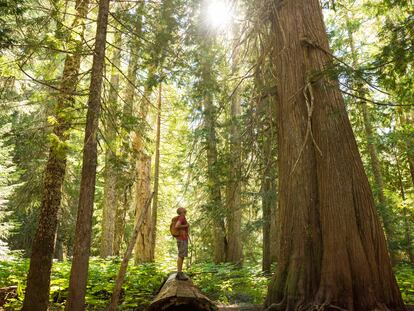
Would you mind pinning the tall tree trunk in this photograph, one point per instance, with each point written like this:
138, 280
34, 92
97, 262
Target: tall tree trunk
113, 306
407, 120
143, 184
111, 124
372, 150
268, 184
156, 176
233, 195
79, 271
58, 252
333, 251
267, 127
122, 208
220, 242
143, 192
408, 236
126, 179
38, 280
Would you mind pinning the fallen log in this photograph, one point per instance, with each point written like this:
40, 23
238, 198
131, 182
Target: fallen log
177, 295
7, 293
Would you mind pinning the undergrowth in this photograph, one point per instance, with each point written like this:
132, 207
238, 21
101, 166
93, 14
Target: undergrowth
224, 283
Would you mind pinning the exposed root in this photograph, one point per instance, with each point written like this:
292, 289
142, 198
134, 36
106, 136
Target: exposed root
309, 100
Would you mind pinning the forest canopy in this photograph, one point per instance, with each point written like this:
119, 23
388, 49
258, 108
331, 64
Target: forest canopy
284, 128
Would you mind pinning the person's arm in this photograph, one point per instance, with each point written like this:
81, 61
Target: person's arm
178, 225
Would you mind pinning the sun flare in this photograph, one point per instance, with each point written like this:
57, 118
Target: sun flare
219, 13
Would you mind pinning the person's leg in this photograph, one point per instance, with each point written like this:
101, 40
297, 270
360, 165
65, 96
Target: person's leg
180, 261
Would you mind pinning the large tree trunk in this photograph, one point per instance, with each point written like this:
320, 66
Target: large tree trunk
143, 184
110, 174
79, 271
143, 192
38, 280
332, 252
233, 195
156, 177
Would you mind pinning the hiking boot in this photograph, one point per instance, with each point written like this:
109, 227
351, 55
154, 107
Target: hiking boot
181, 276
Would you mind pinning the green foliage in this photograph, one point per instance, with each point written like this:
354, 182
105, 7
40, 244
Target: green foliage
223, 283
230, 284
141, 284
405, 278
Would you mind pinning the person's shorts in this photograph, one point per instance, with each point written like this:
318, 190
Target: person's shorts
182, 248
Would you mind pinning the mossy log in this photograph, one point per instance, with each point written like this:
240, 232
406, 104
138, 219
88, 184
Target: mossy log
177, 295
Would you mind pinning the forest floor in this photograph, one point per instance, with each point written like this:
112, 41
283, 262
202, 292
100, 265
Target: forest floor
231, 287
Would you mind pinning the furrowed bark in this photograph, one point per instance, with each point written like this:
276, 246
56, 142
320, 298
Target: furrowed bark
233, 195
38, 280
143, 184
79, 271
332, 251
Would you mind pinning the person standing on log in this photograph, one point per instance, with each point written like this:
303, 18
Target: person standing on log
182, 242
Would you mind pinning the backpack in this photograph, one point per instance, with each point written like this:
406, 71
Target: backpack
175, 232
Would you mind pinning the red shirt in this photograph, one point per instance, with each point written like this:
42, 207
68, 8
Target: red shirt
183, 231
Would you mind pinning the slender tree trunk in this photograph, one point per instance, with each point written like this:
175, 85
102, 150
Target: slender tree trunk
269, 187
372, 150
121, 211
58, 254
156, 176
38, 280
111, 125
408, 141
126, 179
267, 127
408, 236
219, 230
143, 191
233, 196
79, 271
113, 306
333, 251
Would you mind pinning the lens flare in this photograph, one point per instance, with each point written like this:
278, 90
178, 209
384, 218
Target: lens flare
219, 13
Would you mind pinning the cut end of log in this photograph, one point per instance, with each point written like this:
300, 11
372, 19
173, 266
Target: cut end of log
177, 295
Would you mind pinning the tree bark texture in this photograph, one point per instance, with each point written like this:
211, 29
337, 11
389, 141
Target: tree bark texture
110, 173
143, 184
79, 271
156, 176
332, 251
38, 280
143, 192
233, 195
